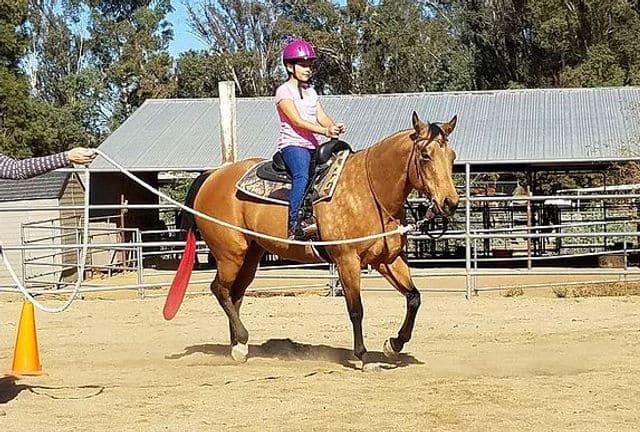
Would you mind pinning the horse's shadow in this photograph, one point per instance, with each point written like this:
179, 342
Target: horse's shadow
288, 350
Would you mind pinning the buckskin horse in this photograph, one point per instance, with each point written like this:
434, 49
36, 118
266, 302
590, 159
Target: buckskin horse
368, 200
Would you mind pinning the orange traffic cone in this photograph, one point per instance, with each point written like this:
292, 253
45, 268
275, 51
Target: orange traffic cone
26, 360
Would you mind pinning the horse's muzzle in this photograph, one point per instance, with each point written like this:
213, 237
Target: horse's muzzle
449, 207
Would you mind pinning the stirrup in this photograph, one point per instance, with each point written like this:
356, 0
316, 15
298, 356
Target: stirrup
303, 231
309, 228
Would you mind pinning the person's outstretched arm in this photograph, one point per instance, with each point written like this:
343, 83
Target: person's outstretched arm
27, 168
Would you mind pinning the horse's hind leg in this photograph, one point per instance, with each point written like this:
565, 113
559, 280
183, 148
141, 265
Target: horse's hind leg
244, 278
398, 275
229, 268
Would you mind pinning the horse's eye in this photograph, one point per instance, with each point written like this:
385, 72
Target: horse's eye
426, 150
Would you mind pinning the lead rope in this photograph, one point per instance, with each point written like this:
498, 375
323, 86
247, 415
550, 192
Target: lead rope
402, 229
81, 264
380, 207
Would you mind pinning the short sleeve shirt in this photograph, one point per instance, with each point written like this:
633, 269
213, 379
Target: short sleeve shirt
307, 108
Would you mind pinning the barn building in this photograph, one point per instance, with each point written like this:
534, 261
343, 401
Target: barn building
522, 134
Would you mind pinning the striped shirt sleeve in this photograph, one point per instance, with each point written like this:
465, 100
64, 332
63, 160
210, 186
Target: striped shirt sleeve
26, 168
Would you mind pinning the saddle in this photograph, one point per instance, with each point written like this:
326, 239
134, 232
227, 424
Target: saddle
277, 170
270, 180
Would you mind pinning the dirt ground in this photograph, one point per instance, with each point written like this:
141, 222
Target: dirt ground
531, 362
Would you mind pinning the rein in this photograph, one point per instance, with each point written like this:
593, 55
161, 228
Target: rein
379, 204
381, 208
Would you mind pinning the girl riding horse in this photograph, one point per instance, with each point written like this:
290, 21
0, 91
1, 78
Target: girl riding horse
368, 200
301, 116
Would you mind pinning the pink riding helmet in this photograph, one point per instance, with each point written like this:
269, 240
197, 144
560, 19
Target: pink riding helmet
298, 49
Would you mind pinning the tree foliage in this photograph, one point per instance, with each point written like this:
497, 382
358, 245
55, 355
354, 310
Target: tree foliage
242, 48
73, 70
130, 42
13, 84
405, 48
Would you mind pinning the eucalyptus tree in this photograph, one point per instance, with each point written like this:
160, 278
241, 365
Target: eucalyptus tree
129, 42
61, 74
410, 46
245, 39
241, 47
587, 43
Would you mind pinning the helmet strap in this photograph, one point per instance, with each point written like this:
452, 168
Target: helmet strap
301, 84
295, 74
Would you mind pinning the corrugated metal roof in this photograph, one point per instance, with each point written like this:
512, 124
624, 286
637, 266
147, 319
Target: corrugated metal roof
506, 126
45, 186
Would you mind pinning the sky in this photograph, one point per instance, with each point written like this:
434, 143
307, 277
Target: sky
183, 39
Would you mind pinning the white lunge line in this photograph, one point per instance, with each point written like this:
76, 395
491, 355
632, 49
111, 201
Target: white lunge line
83, 258
402, 229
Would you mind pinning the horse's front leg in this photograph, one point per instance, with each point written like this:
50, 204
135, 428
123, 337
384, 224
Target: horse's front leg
398, 275
349, 272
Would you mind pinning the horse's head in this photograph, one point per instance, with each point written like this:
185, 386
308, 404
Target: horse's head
431, 164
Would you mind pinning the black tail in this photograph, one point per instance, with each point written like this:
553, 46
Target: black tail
186, 221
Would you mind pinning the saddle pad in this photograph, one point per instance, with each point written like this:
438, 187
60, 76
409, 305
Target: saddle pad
278, 192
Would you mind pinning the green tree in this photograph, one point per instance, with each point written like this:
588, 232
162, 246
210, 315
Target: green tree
198, 74
241, 47
59, 65
497, 35
408, 47
246, 38
53, 129
13, 84
599, 68
130, 42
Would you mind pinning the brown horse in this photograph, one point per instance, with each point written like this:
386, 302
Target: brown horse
368, 200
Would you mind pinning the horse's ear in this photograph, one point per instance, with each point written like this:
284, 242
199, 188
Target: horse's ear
421, 128
448, 127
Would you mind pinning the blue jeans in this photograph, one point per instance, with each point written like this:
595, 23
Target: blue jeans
298, 160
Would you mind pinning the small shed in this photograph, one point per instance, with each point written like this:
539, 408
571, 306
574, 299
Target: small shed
22, 225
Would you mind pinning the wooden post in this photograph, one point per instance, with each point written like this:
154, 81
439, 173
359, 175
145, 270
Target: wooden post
228, 137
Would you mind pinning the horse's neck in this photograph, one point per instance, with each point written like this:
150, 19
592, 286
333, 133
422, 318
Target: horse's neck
387, 164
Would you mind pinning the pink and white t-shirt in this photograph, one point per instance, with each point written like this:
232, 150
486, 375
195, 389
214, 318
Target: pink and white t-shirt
307, 108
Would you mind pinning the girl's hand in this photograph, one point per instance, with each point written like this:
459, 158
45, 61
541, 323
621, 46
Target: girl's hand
333, 131
342, 127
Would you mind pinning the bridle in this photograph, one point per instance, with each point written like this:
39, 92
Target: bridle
432, 224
